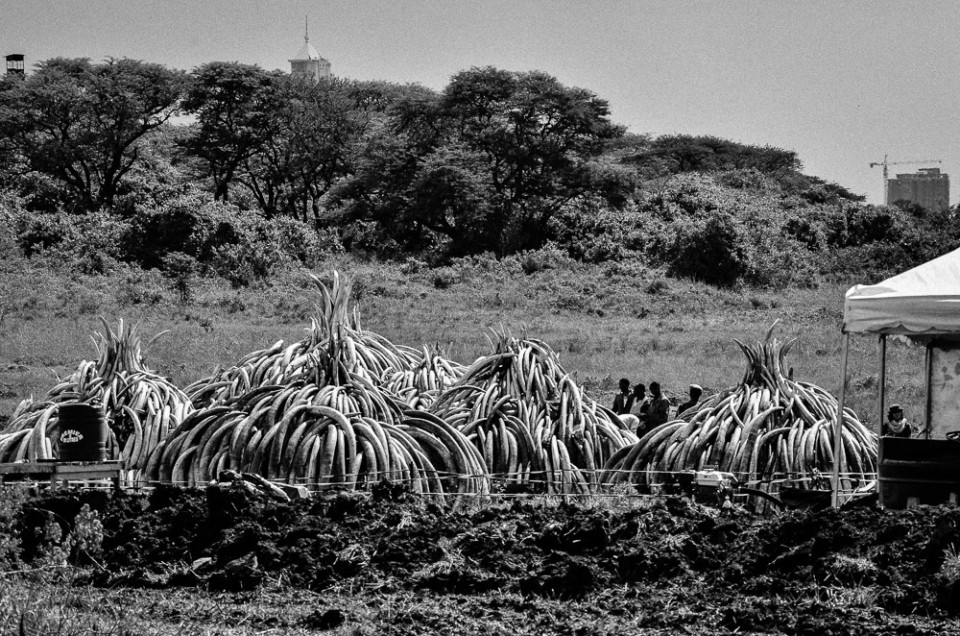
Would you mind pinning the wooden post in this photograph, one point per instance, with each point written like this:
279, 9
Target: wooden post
837, 435
928, 403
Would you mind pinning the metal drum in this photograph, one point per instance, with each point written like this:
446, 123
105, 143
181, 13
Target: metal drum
926, 471
82, 435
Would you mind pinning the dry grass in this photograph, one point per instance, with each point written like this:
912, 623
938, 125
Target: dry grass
604, 325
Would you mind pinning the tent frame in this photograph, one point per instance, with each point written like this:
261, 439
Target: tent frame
838, 426
923, 304
929, 341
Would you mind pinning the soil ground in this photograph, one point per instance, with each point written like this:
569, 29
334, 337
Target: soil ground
226, 560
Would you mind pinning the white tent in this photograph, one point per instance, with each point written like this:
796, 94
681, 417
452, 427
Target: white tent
920, 303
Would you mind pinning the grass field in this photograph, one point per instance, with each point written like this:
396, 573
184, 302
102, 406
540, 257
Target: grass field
605, 323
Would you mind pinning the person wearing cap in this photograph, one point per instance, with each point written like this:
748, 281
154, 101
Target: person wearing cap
695, 392
896, 424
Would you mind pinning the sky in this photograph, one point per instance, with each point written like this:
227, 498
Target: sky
842, 83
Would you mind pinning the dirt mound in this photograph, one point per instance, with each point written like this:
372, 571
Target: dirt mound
842, 569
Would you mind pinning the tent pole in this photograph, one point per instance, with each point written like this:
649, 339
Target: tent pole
883, 377
928, 402
838, 427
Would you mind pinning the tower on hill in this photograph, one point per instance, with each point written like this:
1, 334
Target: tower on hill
307, 61
15, 64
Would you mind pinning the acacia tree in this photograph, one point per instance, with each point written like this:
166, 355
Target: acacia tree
537, 137
232, 103
487, 163
689, 153
81, 123
311, 129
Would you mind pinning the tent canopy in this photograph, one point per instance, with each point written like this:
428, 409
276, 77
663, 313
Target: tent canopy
923, 301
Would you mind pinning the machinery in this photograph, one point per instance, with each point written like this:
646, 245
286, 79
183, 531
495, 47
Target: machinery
713, 487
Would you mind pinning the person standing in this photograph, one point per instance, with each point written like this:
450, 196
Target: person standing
695, 392
638, 405
621, 403
659, 410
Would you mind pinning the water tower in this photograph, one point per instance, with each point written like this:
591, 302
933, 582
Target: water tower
15, 64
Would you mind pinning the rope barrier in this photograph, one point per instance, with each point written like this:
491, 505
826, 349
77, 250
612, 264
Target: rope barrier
591, 487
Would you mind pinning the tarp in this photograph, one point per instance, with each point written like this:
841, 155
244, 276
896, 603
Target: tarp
922, 301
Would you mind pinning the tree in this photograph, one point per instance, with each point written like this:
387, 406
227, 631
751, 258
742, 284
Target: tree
689, 153
311, 129
485, 165
82, 123
536, 137
232, 104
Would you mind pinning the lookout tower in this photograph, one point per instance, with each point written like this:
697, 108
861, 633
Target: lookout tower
15, 64
307, 61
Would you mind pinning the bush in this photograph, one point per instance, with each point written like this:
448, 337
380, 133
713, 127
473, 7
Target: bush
862, 224
92, 243
11, 500
592, 232
139, 287
445, 277
43, 194
8, 234
36, 233
193, 225
181, 269
744, 179
550, 256
242, 247
712, 251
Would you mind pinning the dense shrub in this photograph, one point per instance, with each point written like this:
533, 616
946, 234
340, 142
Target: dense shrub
592, 232
859, 225
181, 269
91, 242
8, 235
139, 287
36, 233
712, 251
744, 179
547, 257
194, 225
42, 193
696, 229
240, 246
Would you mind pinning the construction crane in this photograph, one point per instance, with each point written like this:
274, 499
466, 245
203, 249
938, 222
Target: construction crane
885, 163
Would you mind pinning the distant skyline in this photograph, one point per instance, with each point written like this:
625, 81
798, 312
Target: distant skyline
840, 83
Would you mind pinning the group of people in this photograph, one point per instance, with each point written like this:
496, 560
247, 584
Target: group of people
641, 413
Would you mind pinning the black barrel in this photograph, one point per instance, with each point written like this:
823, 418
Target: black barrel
82, 433
926, 470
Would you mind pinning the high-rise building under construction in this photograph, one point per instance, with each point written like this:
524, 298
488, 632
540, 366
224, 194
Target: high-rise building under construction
928, 188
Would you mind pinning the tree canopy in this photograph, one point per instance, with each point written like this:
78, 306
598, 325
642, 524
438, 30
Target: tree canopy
487, 163
81, 122
497, 161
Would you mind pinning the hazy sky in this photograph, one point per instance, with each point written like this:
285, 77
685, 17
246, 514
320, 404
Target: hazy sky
841, 83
